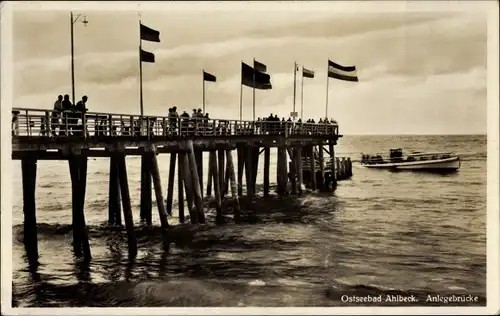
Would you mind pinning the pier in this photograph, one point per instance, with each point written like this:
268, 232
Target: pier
305, 151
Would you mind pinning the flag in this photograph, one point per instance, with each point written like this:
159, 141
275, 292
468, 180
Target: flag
307, 73
147, 57
347, 73
148, 34
209, 77
262, 80
259, 66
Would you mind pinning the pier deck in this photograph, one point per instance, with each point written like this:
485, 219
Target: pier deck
39, 134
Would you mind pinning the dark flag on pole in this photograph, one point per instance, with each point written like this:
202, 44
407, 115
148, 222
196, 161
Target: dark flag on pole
209, 77
147, 57
306, 73
347, 73
148, 34
259, 66
262, 80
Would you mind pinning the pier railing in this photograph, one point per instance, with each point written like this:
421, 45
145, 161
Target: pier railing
55, 124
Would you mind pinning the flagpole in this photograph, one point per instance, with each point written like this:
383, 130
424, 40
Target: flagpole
253, 99
140, 70
327, 81
302, 95
72, 61
294, 86
241, 91
203, 77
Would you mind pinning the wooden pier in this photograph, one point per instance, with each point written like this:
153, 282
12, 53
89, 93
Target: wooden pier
48, 135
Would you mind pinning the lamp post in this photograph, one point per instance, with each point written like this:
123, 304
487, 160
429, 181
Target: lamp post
73, 20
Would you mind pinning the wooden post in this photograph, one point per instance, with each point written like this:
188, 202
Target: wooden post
197, 191
127, 207
300, 175
241, 165
321, 166
171, 179
114, 208
146, 196
28, 166
78, 172
180, 187
160, 202
210, 178
337, 168
216, 177
284, 171
332, 164
267, 158
188, 186
312, 166
220, 171
198, 155
255, 166
248, 170
293, 170
232, 177
226, 181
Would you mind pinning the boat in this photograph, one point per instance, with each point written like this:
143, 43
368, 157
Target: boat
420, 161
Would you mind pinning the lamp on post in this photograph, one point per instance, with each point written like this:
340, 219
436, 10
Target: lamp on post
73, 20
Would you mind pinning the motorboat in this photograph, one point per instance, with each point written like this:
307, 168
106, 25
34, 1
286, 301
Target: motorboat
426, 161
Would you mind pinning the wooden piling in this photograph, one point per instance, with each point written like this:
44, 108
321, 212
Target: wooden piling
248, 170
226, 181
293, 170
267, 159
241, 165
300, 176
160, 202
209, 178
188, 187
216, 177
321, 166
332, 164
171, 179
337, 168
146, 188
197, 187
198, 155
255, 166
127, 207
114, 208
180, 187
220, 171
232, 178
78, 172
312, 167
282, 174
28, 168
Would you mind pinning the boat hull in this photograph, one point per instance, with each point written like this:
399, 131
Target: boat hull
448, 164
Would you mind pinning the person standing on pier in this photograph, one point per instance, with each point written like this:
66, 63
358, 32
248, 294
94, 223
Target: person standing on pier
66, 115
184, 123
56, 114
80, 110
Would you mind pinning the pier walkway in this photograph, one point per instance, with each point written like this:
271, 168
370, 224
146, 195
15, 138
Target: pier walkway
39, 134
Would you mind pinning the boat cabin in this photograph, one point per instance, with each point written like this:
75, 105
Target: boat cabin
396, 154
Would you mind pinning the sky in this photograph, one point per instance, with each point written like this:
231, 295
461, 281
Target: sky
419, 72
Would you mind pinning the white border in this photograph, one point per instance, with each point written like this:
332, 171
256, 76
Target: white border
493, 222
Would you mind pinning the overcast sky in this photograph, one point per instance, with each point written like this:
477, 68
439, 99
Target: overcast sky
419, 72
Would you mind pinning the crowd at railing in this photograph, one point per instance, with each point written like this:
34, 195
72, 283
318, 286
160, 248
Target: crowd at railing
79, 122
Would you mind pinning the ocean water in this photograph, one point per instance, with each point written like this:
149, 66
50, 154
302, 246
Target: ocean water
381, 232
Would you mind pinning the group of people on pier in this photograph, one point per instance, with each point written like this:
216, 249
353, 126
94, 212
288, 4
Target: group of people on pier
68, 119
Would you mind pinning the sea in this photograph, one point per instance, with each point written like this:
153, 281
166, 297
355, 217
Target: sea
381, 234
